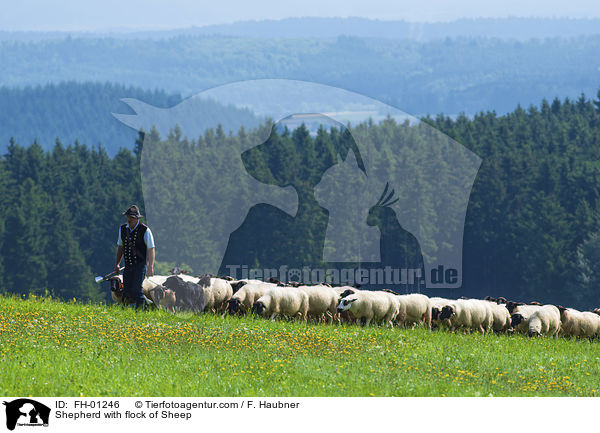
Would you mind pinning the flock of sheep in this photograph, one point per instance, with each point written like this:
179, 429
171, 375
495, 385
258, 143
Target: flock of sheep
351, 305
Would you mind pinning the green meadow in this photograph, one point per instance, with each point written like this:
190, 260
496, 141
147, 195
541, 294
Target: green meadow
52, 348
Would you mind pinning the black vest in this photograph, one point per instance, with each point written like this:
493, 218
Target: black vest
134, 247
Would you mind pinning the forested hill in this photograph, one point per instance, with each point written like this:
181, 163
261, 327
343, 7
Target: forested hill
83, 112
502, 28
532, 229
72, 111
516, 28
439, 76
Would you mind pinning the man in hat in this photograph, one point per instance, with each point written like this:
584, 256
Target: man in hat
136, 245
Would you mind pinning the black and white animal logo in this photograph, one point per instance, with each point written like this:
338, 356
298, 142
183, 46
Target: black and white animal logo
26, 412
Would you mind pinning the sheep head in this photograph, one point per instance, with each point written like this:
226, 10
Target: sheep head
447, 312
259, 307
233, 306
516, 319
346, 303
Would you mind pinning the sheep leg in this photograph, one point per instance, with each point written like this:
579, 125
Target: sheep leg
328, 317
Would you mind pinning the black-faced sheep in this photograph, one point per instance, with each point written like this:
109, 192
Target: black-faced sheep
437, 304
367, 306
470, 314
245, 297
520, 314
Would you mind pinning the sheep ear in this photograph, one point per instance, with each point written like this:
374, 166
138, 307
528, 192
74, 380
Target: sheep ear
353, 300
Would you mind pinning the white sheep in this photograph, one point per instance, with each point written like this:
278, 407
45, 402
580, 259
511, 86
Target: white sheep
544, 321
245, 297
367, 305
501, 317
343, 291
287, 301
473, 314
322, 301
437, 304
413, 309
579, 324
217, 292
594, 319
520, 317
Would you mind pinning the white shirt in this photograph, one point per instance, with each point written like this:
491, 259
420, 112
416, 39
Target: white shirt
148, 238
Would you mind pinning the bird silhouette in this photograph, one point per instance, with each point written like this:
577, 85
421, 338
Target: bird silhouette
399, 249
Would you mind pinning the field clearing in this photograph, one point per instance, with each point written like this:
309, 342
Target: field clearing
51, 348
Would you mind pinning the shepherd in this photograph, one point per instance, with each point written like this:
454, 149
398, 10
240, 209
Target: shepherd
136, 245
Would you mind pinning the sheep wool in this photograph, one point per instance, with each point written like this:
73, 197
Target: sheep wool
544, 321
501, 317
322, 300
578, 324
368, 306
247, 295
414, 309
287, 301
470, 314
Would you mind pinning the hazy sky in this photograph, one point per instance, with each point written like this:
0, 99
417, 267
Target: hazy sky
71, 15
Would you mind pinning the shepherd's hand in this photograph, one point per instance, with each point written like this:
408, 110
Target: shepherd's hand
117, 269
150, 271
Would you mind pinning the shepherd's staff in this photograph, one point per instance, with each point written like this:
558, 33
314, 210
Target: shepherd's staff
106, 277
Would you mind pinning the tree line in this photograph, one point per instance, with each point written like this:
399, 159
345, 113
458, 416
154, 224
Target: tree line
531, 229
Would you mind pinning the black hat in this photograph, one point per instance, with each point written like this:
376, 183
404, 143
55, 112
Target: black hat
133, 211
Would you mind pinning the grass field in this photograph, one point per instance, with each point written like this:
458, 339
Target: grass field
49, 348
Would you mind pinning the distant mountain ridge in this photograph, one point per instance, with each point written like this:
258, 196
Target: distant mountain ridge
503, 28
517, 28
442, 76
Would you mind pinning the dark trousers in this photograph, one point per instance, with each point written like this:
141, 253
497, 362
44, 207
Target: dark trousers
133, 276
